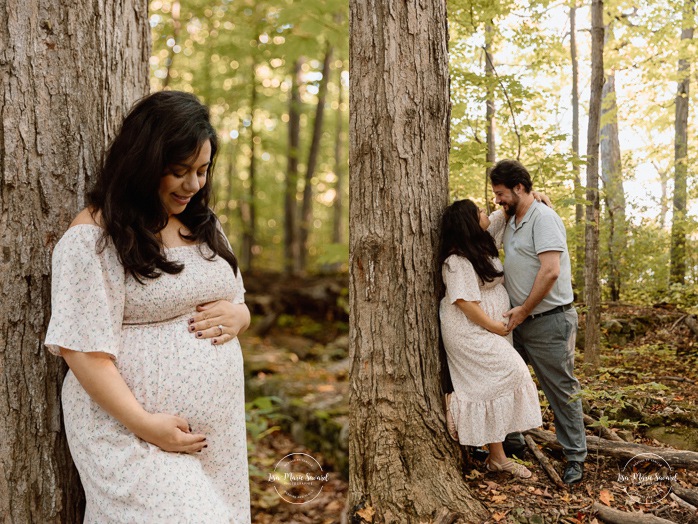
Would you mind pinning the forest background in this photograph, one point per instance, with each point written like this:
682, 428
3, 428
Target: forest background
275, 74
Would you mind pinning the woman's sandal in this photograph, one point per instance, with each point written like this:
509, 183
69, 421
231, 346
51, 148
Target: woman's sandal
513, 468
450, 424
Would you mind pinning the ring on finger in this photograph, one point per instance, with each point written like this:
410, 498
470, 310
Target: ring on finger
220, 328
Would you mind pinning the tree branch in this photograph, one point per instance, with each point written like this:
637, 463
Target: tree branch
511, 108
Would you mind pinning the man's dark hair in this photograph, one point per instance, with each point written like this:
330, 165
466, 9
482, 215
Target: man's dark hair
510, 173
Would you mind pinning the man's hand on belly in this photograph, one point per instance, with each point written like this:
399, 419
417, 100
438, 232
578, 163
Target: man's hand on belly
516, 316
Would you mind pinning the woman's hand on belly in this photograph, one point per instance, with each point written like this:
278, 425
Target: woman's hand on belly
220, 321
170, 433
98, 375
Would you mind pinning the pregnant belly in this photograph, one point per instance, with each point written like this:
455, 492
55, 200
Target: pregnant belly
495, 302
171, 371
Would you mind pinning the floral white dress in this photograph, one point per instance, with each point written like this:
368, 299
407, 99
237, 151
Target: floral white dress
493, 391
96, 307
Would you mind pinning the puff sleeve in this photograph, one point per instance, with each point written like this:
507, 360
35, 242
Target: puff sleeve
87, 294
460, 279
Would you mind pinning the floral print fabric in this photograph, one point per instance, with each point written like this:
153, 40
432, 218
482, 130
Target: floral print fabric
96, 307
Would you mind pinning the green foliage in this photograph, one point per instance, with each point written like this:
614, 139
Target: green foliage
531, 89
233, 53
261, 415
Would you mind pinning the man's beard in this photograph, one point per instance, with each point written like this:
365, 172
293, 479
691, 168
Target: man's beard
510, 208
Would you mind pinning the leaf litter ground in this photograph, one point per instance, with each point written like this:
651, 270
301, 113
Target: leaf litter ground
648, 381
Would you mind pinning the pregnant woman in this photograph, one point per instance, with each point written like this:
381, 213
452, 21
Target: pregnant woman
493, 390
147, 303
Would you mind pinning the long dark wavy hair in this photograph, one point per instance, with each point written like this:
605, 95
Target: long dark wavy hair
162, 129
462, 235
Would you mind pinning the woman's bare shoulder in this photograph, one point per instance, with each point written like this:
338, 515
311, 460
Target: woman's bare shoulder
88, 216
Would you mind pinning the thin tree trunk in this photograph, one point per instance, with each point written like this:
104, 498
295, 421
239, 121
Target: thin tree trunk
612, 176
232, 175
248, 210
403, 467
578, 189
68, 79
491, 156
291, 248
175, 38
678, 226
591, 274
338, 204
664, 177
307, 205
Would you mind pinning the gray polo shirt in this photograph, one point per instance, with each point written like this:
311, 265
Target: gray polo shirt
540, 230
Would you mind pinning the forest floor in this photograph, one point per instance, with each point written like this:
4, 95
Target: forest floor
646, 389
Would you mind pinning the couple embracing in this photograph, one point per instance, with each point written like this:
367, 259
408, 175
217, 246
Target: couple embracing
496, 318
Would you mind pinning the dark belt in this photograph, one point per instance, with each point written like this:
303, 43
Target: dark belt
558, 309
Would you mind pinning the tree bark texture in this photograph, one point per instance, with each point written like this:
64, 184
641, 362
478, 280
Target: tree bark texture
578, 189
591, 269
678, 226
612, 176
67, 77
306, 221
402, 464
291, 248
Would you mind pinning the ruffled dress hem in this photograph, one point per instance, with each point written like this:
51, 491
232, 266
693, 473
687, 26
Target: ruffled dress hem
485, 421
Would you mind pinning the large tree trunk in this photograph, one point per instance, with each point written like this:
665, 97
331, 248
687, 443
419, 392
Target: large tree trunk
68, 77
403, 466
678, 225
612, 176
291, 248
313, 155
578, 189
591, 274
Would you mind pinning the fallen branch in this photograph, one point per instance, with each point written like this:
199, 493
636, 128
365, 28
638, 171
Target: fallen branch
689, 495
624, 450
682, 502
675, 379
606, 433
614, 516
673, 326
549, 469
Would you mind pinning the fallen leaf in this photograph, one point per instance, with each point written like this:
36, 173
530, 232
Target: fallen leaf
367, 513
605, 496
497, 499
499, 516
474, 474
